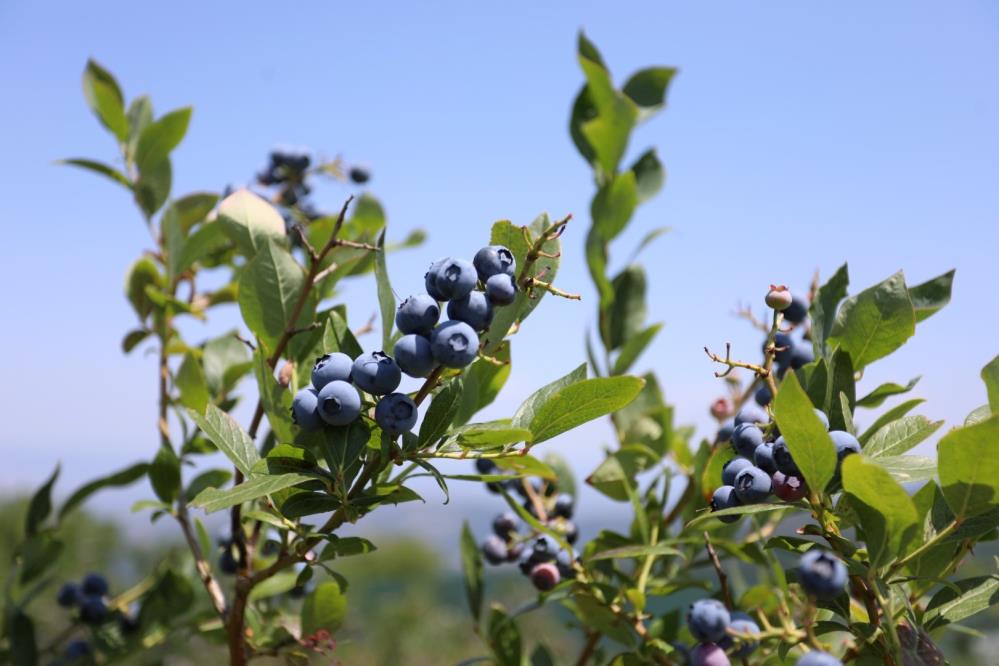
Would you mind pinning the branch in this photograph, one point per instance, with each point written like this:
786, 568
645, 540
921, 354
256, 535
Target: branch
215, 593
732, 365
722, 576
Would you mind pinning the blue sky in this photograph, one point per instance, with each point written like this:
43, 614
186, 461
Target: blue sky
798, 136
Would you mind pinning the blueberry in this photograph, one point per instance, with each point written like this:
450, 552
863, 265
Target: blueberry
789, 488
778, 298
762, 396
708, 619
69, 595
544, 548
763, 456
94, 584
501, 289
305, 409
732, 468
822, 417
128, 624
505, 525
414, 356
474, 309
752, 485
821, 574
784, 345
564, 561
745, 438
430, 280
418, 314
494, 549
339, 403
453, 278
816, 658
485, 466
570, 532
708, 654
494, 260
376, 373
359, 175
782, 457
744, 624
725, 498
797, 311
454, 344
76, 649
563, 506
725, 431
329, 368
751, 413
227, 562
93, 610
545, 576
846, 444
514, 551
801, 354
396, 413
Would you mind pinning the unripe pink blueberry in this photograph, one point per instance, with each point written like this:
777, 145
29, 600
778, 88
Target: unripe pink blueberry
789, 488
545, 576
778, 298
708, 654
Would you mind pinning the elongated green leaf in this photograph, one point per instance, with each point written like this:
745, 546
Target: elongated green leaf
269, 290
504, 638
152, 189
890, 416
745, 510
141, 275
438, 477
41, 504
491, 434
337, 337
931, 296
140, 116
968, 461
607, 132
978, 415
583, 401
443, 408
164, 474
875, 322
225, 360
250, 221
899, 436
525, 413
192, 384
822, 311
160, 137
206, 239
228, 436
647, 89
841, 381
807, 439
124, 477
525, 465
626, 316
386, 298
100, 168
614, 205
637, 550
210, 478
105, 99
908, 469
300, 505
483, 382
887, 514
876, 397
133, 339
171, 595
633, 347
649, 175
324, 608
275, 399
471, 567
990, 375
344, 445
20, 630
974, 595
216, 499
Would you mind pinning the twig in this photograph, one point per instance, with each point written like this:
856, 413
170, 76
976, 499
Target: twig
429, 384
367, 328
732, 365
246, 342
745, 312
722, 576
215, 593
592, 639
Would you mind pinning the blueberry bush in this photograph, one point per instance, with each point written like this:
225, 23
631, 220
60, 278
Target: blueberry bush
794, 534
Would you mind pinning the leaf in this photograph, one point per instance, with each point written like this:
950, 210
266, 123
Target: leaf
635, 551
105, 99
737, 511
876, 397
581, 402
100, 168
206, 240
525, 465
978, 415
20, 631
614, 204
337, 337
269, 290
438, 477
841, 380
525, 413
121, 478
891, 415
225, 359
386, 298
211, 478
649, 177
164, 474
176, 223
139, 115
625, 317
504, 638
37, 553
343, 445
152, 188
990, 375
191, 383
822, 311
275, 399
615, 476
633, 347
968, 461
483, 382
607, 133
807, 439
908, 469
215, 499
887, 514
899, 436
160, 137
303, 504
491, 435
875, 322
647, 89
171, 595
976, 595
931, 296
133, 339
228, 436
41, 505
443, 408
471, 567
250, 222
275, 585
142, 274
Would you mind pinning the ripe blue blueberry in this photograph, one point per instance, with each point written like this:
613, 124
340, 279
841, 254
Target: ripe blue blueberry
846, 444
563, 506
752, 485
329, 368
227, 562
418, 314
816, 658
505, 525
414, 355
708, 654
69, 595
822, 574
564, 561
822, 417
453, 278
784, 343
708, 619
782, 457
359, 175
494, 549
396, 413
763, 396
801, 354
744, 624
494, 260
725, 432
725, 498
474, 309
545, 576
430, 280
751, 413
545, 548
569, 531
76, 649
376, 373
745, 438
797, 311
732, 468
485, 466
339, 403
93, 610
763, 456
514, 551
305, 409
501, 289
94, 584
454, 344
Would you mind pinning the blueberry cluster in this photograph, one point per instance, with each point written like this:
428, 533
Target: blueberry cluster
89, 599
709, 622
287, 170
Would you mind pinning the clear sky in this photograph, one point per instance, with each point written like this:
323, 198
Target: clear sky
798, 136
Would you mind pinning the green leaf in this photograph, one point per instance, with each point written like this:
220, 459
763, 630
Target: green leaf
269, 289
192, 384
285, 459
250, 222
908, 469
737, 511
649, 177
41, 505
225, 360
887, 514
647, 89
37, 553
228, 436
386, 298
583, 401
615, 476
990, 375
876, 397
443, 408
525, 413
607, 133
841, 380
822, 311
133, 339
216, 499
483, 382
164, 474
471, 567
100, 168
152, 188
20, 631
978, 415
337, 337
206, 240
303, 504
625, 317
142, 274
633, 347
140, 116
105, 99
492, 434
968, 460
275, 399
637, 550
973, 596
160, 137
891, 415
211, 478
344, 445
171, 596
875, 322
121, 478
176, 222
524, 465
899, 436
504, 638
931, 296
614, 204
438, 477
806, 437
275, 585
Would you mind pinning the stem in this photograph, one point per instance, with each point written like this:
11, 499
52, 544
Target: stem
722, 576
215, 593
432, 380
919, 552
592, 639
